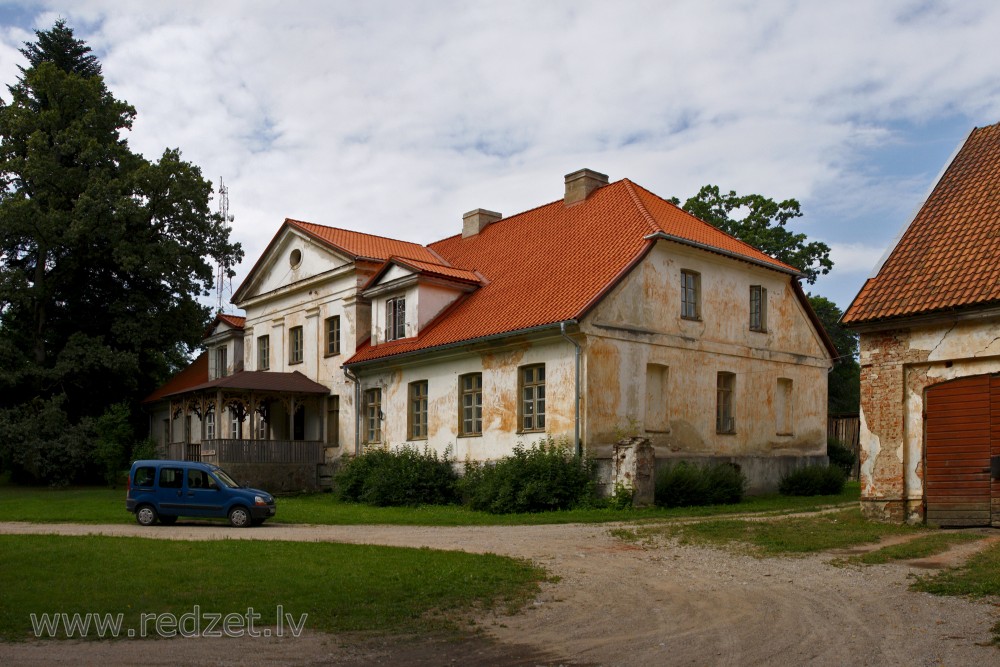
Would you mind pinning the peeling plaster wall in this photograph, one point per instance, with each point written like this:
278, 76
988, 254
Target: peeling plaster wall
897, 366
639, 324
499, 365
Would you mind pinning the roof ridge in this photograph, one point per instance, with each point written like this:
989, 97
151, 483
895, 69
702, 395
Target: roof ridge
647, 216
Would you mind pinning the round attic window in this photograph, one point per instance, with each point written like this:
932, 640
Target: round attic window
295, 258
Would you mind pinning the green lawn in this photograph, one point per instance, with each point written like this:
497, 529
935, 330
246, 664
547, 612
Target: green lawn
101, 505
341, 587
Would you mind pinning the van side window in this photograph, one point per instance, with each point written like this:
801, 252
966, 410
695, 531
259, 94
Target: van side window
199, 479
144, 476
171, 478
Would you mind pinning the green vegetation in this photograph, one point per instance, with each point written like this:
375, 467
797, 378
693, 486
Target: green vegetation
798, 535
543, 477
979, 576
920, 547
341, 587
101, 505
812, 481
686, 484
401, 476
840, 456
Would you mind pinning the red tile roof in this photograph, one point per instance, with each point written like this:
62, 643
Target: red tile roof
555, 262
364, 246
949, 256
426, 268
194, 374
234, 321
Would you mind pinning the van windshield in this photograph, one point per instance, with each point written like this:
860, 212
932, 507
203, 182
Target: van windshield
225, 479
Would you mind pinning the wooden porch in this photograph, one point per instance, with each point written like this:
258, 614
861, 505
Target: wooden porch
223, 451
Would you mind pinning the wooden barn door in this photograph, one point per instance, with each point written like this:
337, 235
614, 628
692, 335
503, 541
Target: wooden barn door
962, 430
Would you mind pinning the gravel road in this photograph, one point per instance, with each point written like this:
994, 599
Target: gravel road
613, 604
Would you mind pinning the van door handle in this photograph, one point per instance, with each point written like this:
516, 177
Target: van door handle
180, 493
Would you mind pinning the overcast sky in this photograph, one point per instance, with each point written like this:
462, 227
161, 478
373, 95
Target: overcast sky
394, 118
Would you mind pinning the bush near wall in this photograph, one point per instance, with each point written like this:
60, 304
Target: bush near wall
545, 476
401, 476
685, 484
813, 481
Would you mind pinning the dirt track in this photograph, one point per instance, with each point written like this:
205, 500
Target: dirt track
614, 604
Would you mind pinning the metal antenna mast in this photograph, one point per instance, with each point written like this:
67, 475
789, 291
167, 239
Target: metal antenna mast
227, 219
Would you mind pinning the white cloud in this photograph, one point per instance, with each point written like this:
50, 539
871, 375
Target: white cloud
396, 117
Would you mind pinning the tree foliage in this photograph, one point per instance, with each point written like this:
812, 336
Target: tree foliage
103, 253
761, 222
844, 380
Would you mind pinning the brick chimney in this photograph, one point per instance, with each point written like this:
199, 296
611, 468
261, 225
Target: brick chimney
475, 221
581, 183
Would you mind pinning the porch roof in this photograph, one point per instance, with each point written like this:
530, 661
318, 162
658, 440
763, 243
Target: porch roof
294, 382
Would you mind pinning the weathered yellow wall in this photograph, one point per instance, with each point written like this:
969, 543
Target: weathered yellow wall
639, 323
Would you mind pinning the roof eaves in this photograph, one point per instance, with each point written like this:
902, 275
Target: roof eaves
726, 253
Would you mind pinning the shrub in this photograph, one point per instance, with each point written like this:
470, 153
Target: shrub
840, 455
545, 476
813, 481
684, 484
403, 476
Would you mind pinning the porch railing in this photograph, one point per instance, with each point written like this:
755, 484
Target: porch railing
229, 450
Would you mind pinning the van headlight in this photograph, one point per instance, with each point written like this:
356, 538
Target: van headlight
259, 500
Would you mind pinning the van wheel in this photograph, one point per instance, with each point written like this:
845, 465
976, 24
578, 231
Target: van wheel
168, 520
239, 516
145, 515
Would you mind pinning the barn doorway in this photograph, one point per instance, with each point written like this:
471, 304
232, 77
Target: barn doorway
961, 437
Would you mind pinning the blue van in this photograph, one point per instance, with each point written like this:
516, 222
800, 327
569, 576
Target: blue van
165, 490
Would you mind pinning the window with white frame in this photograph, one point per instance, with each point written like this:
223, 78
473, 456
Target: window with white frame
532, 380
295, 346
417, 412
263, 353
373, 415
221, 362
210, 425
395, 318
470, 387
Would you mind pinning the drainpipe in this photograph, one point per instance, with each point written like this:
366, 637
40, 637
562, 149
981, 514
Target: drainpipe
576, 420
357, 409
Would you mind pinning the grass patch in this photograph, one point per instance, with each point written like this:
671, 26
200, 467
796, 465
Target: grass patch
101, 505
978, 577
799, 535
342, 587
920, 547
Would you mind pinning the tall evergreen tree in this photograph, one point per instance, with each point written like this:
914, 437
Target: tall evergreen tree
103, 255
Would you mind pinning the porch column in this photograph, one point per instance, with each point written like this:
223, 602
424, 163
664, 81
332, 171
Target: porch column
253, 417
219, 417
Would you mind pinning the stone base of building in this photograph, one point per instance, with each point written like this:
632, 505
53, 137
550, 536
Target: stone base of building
893, 510
763, 473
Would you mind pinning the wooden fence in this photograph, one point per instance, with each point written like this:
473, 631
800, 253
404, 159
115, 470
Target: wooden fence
847, 429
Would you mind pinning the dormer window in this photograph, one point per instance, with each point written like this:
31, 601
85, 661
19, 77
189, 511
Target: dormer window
395, 318
221, 362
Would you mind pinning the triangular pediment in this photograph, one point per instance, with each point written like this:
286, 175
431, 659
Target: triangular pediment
291, 257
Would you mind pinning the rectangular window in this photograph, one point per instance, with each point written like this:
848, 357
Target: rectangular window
533, 398
783, 407
417, 412
262, 433
171, 478
470, 388
690, 288
656, 398
333, 335
724, 422
373, 415
235, 425
210, 425
395, 318
758, 308
221, 362
263, 353
295, 345
333, 421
